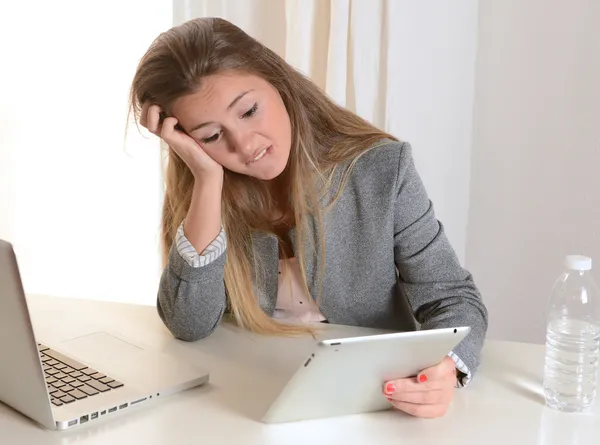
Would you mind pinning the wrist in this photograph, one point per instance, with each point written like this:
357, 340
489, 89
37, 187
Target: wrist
208, 181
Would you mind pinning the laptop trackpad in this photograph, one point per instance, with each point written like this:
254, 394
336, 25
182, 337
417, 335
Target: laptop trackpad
101, 348
129, 363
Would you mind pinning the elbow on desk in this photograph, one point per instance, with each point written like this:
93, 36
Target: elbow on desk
189, 330
191, 335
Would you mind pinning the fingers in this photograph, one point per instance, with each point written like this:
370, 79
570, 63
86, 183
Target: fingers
427, 395
424, 402
170, 135
153, 119
433, 397
411, 384
423, 411
144, 113
168, 127
183, 145
150, 118
439, 371
436, 377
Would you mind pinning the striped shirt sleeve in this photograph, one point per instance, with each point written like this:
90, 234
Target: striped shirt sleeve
460, 365
213, 251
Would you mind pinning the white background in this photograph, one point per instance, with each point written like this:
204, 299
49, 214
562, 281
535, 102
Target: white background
80, 204
500, 101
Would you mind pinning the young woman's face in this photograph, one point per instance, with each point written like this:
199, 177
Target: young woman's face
240, 121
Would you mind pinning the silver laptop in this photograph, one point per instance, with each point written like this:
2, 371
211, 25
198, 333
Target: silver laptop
59, 390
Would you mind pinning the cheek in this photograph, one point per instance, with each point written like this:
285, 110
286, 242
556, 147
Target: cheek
278, 124
221, 155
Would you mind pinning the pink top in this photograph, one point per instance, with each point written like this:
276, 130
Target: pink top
293, 304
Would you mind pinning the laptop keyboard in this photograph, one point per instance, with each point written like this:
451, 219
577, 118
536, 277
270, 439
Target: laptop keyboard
69, 380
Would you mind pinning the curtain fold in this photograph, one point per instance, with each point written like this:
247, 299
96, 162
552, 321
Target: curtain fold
341, 45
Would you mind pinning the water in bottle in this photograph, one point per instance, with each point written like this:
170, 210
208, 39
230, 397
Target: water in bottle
573, 338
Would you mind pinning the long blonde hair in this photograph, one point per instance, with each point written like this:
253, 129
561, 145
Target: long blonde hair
324, 135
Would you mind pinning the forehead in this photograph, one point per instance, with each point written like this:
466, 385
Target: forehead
215, 94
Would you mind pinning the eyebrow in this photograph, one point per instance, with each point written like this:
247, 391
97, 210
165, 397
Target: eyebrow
229, 107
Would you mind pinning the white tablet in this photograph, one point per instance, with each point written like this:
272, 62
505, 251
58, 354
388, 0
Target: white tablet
346, 376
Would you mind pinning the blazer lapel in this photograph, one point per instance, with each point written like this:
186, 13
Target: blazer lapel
267, 255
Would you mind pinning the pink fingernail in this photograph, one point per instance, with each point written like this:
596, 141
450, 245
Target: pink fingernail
390, 388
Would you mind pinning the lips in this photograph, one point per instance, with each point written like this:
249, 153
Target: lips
258, 155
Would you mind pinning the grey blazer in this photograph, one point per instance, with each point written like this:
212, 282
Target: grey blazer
388, 263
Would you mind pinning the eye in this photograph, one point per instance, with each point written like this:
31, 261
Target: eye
250, 112
212, 138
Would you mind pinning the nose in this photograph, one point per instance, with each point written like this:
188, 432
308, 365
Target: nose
242, 142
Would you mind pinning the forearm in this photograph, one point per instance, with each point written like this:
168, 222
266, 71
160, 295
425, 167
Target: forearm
191, 300
452, 304
203, 220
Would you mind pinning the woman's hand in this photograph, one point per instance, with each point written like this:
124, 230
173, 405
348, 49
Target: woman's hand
428, 395
200, 164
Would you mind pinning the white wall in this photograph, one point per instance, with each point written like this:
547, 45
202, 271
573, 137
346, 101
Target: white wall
535, 191
80, 206
431, 87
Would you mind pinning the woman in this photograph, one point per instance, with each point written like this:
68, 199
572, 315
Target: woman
287, 209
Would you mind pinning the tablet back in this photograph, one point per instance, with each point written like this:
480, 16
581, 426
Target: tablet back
346, 375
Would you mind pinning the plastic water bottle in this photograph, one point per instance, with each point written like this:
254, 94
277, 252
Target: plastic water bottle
573, 338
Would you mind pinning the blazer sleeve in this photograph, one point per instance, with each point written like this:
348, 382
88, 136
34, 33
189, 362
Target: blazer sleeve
191, 296
442, 294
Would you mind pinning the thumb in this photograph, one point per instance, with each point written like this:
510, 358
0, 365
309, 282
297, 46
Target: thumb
437, 372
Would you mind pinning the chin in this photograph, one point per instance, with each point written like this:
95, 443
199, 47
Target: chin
269, 176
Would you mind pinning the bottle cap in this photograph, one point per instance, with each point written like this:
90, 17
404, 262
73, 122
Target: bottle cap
578, 262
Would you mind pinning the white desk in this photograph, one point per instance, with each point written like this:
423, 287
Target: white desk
503, 405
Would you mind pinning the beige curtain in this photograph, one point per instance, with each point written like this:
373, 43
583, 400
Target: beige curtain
405, 65
339, 44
